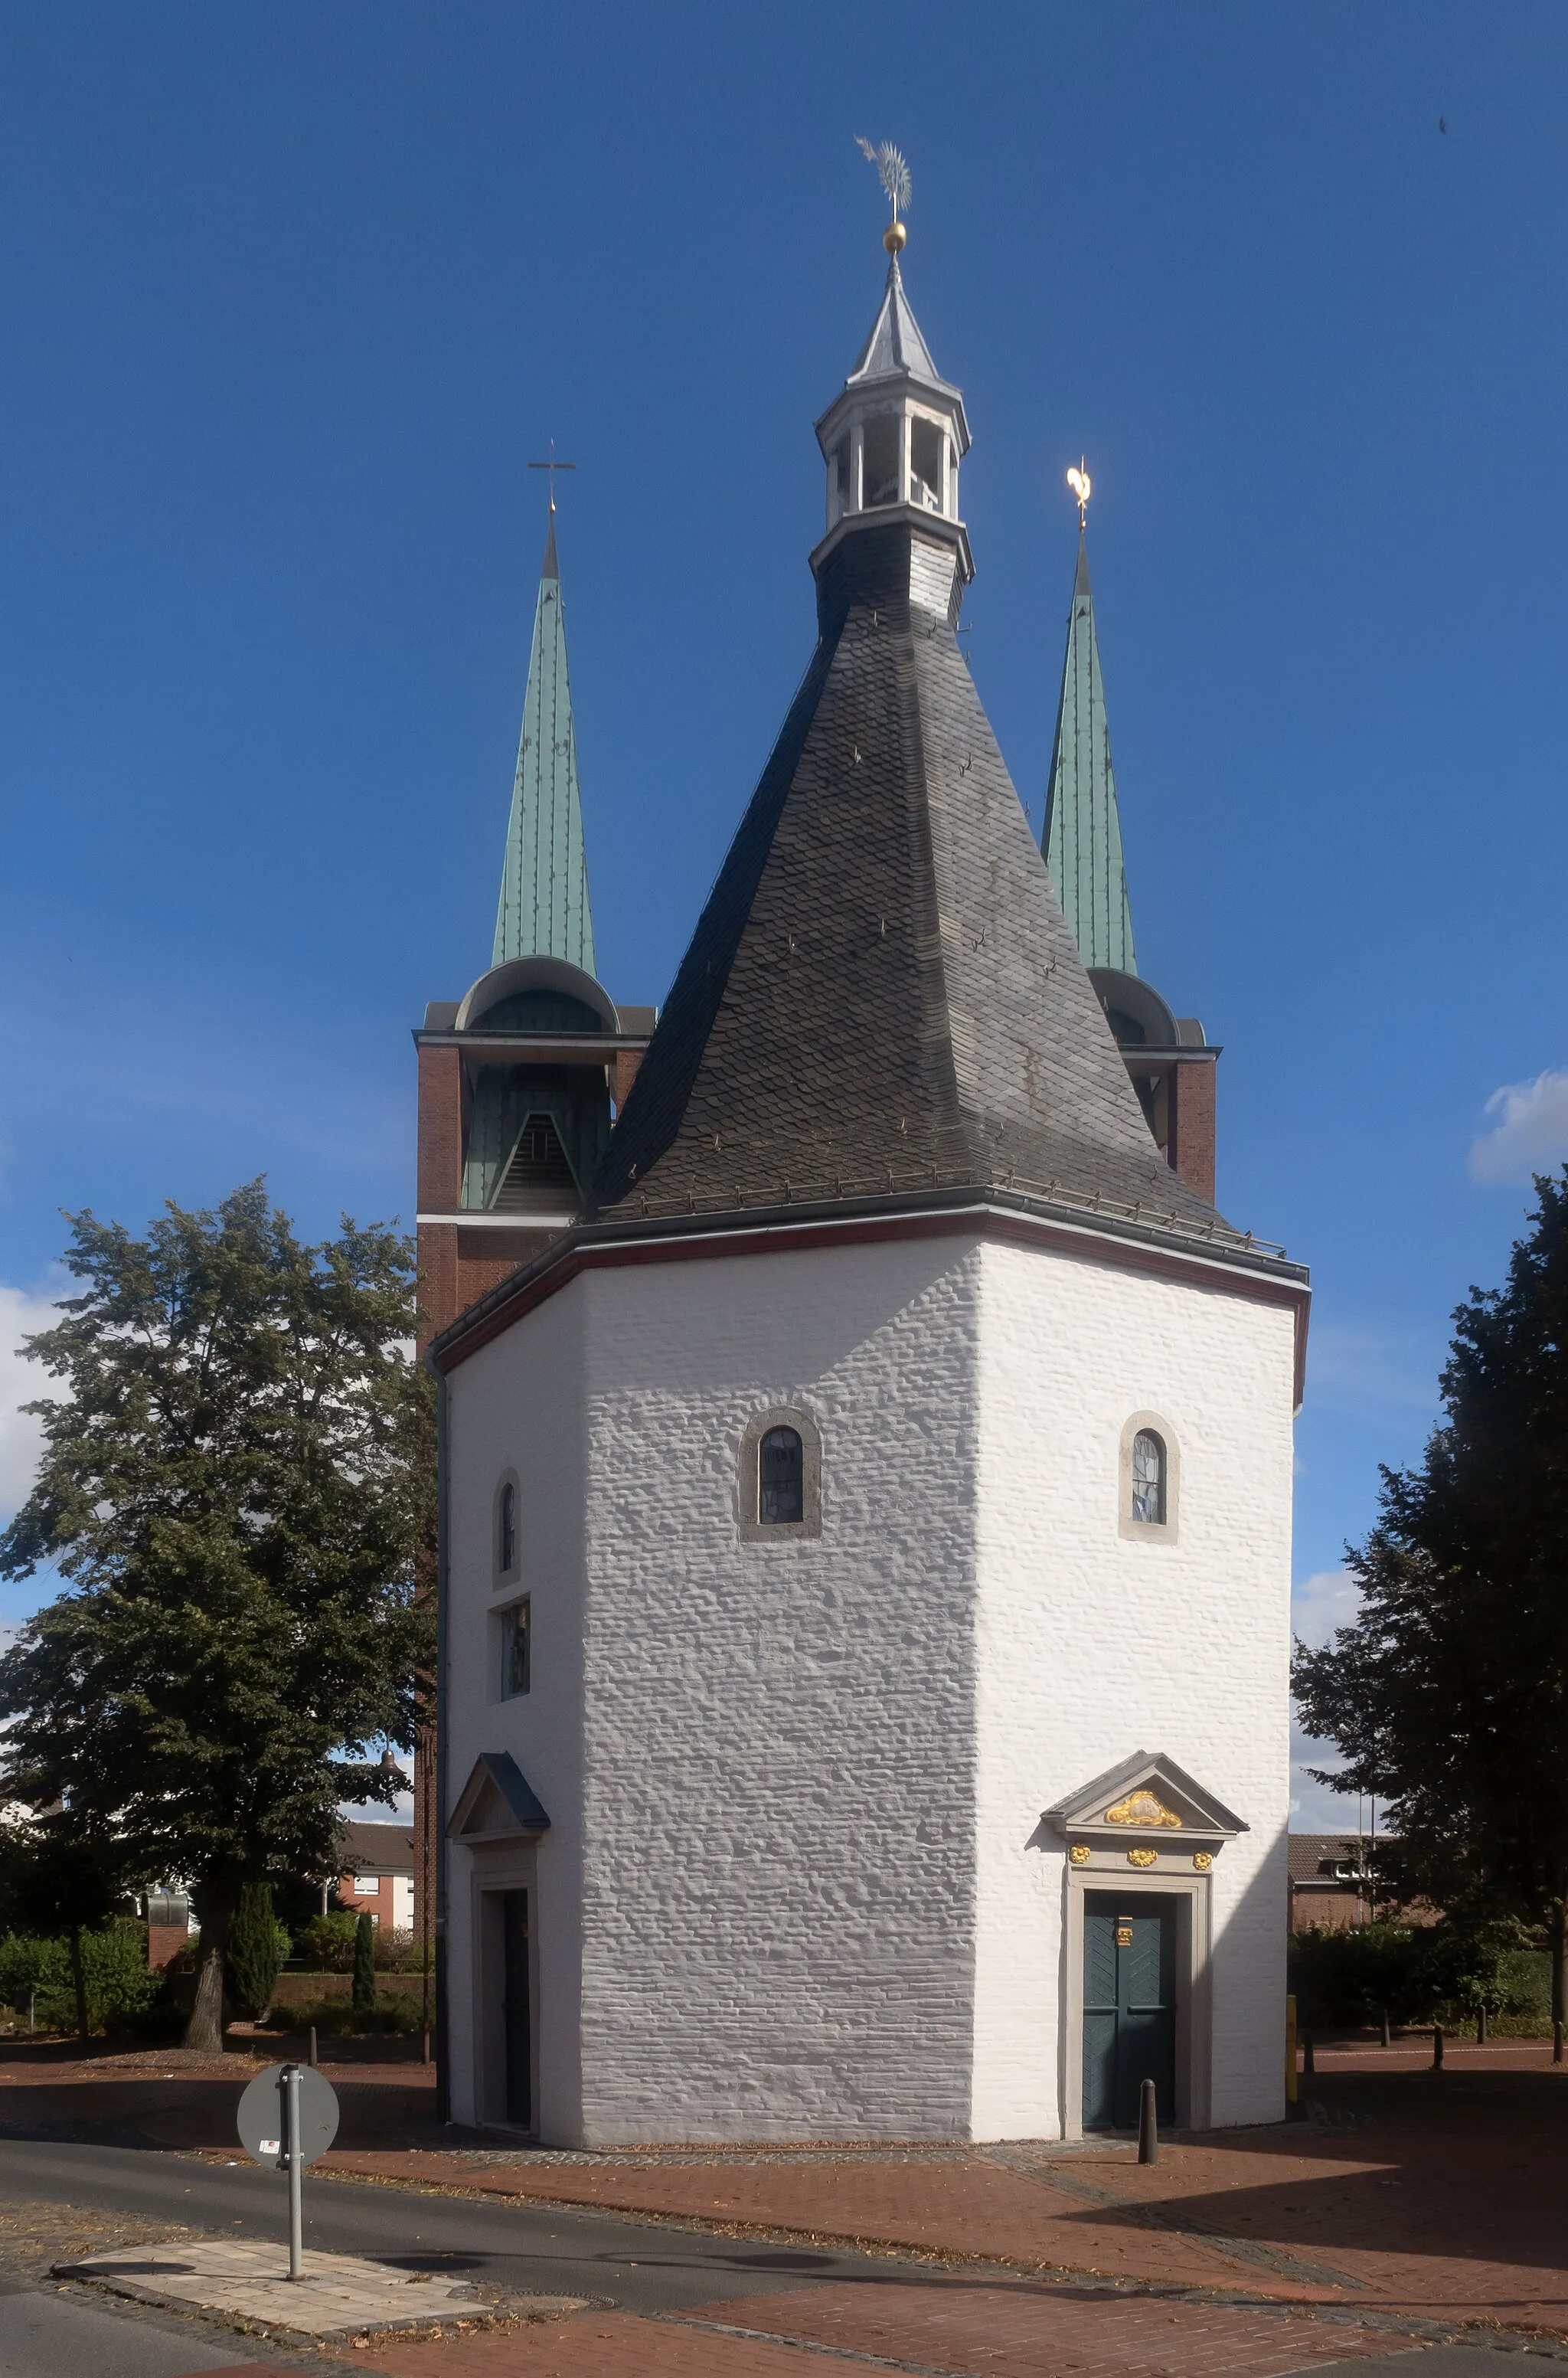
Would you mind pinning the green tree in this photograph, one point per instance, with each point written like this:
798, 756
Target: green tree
235, 1486
251, 1954
1448, 1696
57, 1875
363, 1986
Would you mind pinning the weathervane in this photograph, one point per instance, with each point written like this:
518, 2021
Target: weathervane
890, 163
552, 466
1082, 488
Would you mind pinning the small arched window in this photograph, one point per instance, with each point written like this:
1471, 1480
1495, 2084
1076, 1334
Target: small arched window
506, 1529
1148, 1479
781, 1478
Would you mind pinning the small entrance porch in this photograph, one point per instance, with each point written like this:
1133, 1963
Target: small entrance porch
496, 1827
1140, 1842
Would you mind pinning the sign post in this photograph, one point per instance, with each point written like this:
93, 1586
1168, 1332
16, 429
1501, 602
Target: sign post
288, 2116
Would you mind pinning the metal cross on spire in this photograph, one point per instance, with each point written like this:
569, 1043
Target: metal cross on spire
552, 466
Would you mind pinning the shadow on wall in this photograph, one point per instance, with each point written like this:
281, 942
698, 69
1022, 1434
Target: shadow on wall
881, 1288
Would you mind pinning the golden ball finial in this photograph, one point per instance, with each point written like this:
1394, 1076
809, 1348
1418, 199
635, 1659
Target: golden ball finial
895, 237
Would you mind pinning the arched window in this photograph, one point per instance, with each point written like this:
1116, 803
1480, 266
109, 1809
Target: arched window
781, 1478
1148, 1479
506, 1529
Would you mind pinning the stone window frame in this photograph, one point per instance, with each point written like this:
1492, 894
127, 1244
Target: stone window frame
754, 1530
1148, 1532
501, 1578
495, 1640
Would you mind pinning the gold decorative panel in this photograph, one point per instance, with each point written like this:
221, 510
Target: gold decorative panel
1203, 1860
1079, 1852
1143, 1857
1141, 1808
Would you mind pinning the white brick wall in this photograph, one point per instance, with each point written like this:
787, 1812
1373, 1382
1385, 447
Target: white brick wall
788, 1889
1093, 1646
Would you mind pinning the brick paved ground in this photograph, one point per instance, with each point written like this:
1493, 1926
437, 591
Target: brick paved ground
1003, 2329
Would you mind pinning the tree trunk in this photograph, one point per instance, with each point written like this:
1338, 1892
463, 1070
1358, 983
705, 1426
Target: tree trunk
83, 2029
205, 2028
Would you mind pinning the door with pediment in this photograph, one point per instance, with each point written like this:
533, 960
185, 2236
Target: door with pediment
1128, 2007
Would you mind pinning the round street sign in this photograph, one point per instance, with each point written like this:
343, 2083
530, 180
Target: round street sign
264, 2115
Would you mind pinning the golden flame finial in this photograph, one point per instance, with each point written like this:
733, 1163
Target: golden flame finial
1082, 488
890, 163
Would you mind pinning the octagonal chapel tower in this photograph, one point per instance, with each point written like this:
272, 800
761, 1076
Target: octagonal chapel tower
867, 1526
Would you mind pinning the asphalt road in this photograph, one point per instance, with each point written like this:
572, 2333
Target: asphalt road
638, 2266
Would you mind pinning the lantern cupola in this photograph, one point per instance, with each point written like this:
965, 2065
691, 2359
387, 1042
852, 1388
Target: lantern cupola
895, 435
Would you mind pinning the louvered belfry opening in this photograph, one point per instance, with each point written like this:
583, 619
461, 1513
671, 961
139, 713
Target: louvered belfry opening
538, 1180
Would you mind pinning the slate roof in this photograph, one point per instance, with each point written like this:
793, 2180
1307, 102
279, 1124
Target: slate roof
894, 346
881, 993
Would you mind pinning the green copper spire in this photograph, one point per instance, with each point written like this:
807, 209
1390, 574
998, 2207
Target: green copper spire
1082, 838
544, 910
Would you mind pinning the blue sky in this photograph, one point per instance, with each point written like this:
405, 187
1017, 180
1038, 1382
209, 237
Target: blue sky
292, 295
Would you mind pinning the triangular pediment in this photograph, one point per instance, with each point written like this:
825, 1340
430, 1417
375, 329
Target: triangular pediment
496, 1804
1148, 1796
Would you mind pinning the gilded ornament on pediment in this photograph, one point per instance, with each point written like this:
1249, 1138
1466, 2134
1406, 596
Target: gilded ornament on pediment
1079, 1852
1143, 1857
1142, 1808
1203, 1860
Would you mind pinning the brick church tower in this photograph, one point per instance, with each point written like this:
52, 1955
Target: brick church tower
1169, 1062
519, 1081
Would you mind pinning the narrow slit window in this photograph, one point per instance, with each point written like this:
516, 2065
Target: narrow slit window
1148, 1479
506, 1529
516, 1651
781, 1478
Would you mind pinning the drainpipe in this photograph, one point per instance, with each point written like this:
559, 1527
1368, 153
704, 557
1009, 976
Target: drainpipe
443, 1556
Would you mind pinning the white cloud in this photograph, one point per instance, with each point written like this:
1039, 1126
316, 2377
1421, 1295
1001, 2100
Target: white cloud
1323, 1601
376, 1812
1530, 1133
21, 1382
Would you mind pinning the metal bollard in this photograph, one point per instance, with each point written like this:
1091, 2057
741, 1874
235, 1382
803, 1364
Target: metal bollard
1148, 2125
1387, 2036
1437, 2048
315, 2060
1557, 2043
1481, 2028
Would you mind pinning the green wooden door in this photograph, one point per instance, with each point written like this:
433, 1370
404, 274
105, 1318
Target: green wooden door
1128, 2008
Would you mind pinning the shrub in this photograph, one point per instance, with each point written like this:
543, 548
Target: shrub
1419, 1973
341, 2019
363, 1963
327, 1941
402, 1952
250, 1953
120, 1990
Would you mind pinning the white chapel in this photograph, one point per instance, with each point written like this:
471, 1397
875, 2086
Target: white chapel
865, 1528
